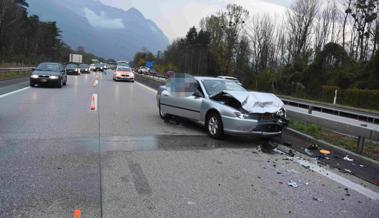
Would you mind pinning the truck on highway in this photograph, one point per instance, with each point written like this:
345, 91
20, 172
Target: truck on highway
76, 58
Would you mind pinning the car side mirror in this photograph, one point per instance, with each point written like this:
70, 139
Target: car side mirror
198, 94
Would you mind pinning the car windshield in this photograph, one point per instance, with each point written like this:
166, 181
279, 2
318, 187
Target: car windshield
83, 66
213, 87
48, 67
123, 69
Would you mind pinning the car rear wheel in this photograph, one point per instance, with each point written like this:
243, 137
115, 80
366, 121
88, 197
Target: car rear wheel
32, 84
215, 126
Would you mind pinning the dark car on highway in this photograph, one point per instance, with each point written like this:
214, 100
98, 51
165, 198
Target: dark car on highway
49, 74
72, 69
84, 68
99, 67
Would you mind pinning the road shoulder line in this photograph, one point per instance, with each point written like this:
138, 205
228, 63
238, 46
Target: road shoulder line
14, 92
146, 87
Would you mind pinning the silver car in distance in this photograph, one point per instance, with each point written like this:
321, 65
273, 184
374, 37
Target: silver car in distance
222, 106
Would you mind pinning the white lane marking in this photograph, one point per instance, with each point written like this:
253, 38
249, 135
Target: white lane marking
14, 92
337, 178
94, 102
146, 87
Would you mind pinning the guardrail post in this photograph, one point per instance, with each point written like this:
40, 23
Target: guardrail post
310, 109
360, 145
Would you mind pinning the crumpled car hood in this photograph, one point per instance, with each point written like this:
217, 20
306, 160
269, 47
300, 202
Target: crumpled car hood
257, 102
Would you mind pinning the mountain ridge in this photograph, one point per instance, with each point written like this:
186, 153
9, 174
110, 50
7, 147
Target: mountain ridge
103, 30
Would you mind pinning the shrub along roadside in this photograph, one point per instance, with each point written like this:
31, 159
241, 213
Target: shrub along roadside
14, 75
352, 97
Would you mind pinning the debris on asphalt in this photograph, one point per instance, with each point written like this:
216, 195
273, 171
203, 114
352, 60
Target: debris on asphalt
315, 199
292, 183
347, 171
348, 159
324, 152
290, 153
191, 203
278, 173
306, 167
292, 171
313, 147
308, 152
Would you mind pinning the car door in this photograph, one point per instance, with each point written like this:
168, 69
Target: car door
192, 103
178, 97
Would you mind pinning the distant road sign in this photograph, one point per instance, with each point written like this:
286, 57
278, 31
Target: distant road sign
150, 64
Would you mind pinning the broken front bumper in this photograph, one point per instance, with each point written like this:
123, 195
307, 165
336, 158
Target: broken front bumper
237, 126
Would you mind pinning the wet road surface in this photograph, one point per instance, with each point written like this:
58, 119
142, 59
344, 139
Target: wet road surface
56, 156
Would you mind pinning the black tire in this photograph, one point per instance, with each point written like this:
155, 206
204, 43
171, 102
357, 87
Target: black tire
32, 84
60, 83
161, 114
214, 125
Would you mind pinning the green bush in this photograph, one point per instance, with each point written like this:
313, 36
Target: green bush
361, 98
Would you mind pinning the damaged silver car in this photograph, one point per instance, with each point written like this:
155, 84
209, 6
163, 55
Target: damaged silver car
222, 106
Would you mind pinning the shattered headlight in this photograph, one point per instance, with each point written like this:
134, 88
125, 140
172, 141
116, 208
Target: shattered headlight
281, 113
241, 115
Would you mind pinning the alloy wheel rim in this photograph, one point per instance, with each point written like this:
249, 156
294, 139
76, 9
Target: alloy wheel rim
213, 126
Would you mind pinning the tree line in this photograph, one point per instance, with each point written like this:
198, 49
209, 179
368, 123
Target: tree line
27, 40
315, 44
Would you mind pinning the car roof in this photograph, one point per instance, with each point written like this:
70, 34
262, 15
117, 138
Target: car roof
207, 78
227, 77
50, 63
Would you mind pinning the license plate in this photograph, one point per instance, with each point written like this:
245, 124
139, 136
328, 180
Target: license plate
44, 80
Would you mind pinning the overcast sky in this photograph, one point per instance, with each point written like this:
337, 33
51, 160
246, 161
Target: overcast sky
175, 17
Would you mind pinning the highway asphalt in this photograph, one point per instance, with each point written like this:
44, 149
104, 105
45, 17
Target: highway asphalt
122, 160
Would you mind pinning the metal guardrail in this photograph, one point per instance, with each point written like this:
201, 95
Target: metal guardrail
15, 69
358, 115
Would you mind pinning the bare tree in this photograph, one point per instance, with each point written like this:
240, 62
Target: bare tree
347, 12
300, 20
260, 31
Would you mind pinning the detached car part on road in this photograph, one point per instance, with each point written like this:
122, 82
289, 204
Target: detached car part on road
222, 106
49, 74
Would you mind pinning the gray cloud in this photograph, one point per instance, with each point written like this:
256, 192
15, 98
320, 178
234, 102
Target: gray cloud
102, 21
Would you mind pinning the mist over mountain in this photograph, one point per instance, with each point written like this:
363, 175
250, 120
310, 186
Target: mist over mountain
103, 30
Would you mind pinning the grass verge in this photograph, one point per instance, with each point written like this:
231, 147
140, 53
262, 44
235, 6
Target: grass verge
14, 75
371, 148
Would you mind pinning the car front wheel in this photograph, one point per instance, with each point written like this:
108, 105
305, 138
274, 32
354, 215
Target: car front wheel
215, 126
162, 114
60, 83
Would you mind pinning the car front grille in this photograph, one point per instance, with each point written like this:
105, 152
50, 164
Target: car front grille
262, 117
268, 128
